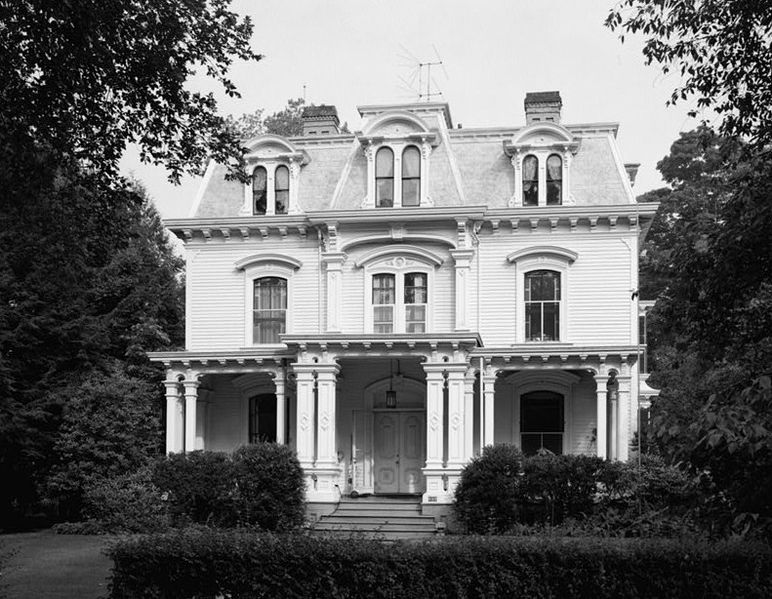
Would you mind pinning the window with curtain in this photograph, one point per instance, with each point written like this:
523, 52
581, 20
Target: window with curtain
542, 422
281, 189
416, 298
411, 176
554, 180
384, 299
262, 418
542, 306
259, 190
270, 309
530, 181
384, 178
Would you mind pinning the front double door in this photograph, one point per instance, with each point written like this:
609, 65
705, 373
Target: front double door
399, 449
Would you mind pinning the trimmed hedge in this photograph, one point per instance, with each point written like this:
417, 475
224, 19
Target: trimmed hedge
207, 563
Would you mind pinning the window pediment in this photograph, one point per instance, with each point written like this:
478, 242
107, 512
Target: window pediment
401, 256
541, 135
275, 147
543, 251
268, 260
395, 124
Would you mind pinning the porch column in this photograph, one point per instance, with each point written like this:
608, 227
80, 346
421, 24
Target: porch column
434, 470
456, 424
489, 387
601, 422
326, 449
334, 264
304, 437
624, 416
613, 426
463, 260
469, 380
173, 413
191, 398
281, 407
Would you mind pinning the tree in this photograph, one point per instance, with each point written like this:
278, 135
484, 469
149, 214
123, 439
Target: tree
722, 51
288, 122
84, 78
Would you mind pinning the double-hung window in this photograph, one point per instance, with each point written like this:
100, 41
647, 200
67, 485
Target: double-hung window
400, 302
397, 177
270, 189
269, 309
542, 305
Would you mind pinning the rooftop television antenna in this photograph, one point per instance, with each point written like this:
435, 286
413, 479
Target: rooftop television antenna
426, 86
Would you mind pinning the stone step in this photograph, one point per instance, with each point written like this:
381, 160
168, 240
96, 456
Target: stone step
378, 535
375, 527
377, 519
376, 510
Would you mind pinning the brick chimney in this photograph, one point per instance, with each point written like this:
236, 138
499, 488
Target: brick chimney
320, 120
542, 106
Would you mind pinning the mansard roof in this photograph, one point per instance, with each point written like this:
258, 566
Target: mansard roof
467, 167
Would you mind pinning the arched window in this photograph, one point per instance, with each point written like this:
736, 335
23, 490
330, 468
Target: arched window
281, 189
542, 422
542, 305
259, 190
411, 176
416, 299
384, 178
554, 180
269, 309
384, 299
262, 418
530, 181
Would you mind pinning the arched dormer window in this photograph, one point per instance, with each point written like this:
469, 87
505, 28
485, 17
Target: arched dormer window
530, 181
281, 179
259, 190
384, 178
411, 176
554, 180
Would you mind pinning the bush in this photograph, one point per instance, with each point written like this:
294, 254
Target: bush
270, 487
488, 493
127, 504
206, 563
199, 487
559, 486
259, 485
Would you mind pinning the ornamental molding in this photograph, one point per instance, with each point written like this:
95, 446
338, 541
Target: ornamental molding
550, 251
399, 256
266, 259
274, 148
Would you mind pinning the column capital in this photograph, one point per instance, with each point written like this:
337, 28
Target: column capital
317, 368
462, 256
334, 260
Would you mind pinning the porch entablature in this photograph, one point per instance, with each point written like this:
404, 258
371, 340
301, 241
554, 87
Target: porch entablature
223, 362
598, 359
329, 347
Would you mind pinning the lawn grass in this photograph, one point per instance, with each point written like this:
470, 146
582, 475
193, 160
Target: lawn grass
44, 565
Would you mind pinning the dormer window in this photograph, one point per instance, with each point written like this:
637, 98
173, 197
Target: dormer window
411, 176
554, 180
384, 178
259, 190
275, 165
530, 181
281, 189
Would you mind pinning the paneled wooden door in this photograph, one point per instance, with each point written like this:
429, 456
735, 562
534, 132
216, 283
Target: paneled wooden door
399, 451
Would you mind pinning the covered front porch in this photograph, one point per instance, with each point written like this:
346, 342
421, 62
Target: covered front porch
398, 416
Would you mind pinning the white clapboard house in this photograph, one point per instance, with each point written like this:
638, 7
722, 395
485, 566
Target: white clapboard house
388, 302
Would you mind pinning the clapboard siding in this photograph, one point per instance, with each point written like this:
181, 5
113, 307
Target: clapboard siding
598, 287
217, 310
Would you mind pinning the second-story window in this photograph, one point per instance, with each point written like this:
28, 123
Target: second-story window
384, 178
542, 305
416, 299
259, 190
281, 189
269, 309
384, 299
554, 180
411, 177
530, 181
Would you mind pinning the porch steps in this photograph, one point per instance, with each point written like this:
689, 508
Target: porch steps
386, 518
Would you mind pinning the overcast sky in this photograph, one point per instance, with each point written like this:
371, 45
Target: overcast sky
350, 53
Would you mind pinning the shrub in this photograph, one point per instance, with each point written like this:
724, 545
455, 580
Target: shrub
562, 486
270, 487
488, 493
207, 563
199, 487
127, 504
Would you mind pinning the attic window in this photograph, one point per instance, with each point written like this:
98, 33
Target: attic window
259, 190
384, 178
530, 181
